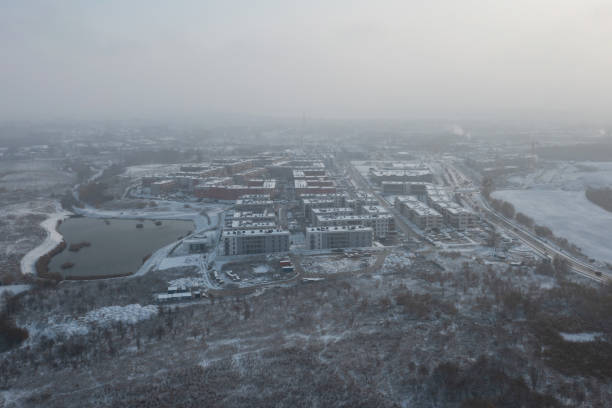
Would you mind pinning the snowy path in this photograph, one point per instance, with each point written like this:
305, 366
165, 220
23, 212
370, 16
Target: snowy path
54, 238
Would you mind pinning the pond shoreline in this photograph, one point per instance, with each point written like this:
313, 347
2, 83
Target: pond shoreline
42, 262
52, 241
117, 247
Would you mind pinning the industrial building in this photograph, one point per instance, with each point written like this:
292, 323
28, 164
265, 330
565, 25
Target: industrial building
338, 237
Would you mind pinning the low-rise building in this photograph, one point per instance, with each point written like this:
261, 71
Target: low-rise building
329, 211
247, 242
318, 186
419, 213
338, 237
405, 175
381, 224
253, 204
163, 187
233, 192
403, 188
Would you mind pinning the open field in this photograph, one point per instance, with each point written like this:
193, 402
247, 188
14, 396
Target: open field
35, 175
574, 176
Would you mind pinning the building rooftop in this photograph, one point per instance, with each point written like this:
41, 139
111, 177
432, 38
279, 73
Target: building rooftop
339, 229
254, 232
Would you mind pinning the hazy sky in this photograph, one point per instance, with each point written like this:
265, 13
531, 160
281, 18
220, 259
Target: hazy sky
402, 59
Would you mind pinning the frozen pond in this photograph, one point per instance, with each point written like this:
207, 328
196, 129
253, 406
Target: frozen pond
117, 246
570, 215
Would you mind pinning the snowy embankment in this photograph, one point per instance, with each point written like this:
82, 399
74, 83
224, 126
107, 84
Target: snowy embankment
53, 239
569, 215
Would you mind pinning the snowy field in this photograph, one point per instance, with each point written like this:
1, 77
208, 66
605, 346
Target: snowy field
34, 175
396, 260
151, 170
179, 261
580, 337
103, 316
335, 264
570, 215
566, 176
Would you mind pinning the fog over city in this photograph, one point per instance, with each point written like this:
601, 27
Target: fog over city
396, 204
346, 59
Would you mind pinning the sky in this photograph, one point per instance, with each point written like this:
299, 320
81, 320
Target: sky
118, 59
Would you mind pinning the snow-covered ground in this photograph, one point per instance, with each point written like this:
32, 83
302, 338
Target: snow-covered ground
580, 337
566, 176
128, 314
191, 282
335, 264
41, 175
151, 170
261, 268
397, 260
167, 210
13, 289
53, 239
570, 215
103, 316
179, 261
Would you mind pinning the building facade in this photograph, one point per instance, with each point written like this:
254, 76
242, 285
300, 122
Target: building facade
338, 237
248, 242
